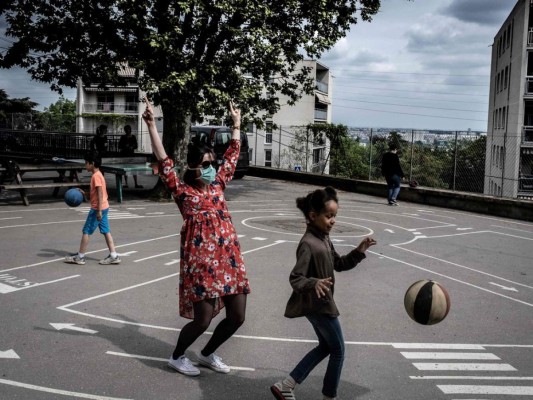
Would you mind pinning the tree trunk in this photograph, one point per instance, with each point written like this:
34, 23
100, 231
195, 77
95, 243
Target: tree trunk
176, 127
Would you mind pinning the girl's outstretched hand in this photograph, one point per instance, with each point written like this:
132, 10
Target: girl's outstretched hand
365, 244
322, 286
148, 114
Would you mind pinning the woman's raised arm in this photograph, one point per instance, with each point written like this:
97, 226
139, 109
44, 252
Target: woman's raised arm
157, 146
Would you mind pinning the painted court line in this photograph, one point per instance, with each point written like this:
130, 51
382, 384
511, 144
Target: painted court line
450, 278
114, 353
489, 389
463, 367
90, 252
449, 356
476, 378
57, 391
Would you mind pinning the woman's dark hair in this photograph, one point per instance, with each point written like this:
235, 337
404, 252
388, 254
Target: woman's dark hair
316, 201
93, 157
195, 154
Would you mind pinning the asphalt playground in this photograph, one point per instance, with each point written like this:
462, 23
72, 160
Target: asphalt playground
106, 332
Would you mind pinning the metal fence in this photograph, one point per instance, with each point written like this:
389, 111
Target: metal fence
51, 144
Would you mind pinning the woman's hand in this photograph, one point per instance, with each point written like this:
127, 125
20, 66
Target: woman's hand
235, 114
365, 244
148, 114
322, 287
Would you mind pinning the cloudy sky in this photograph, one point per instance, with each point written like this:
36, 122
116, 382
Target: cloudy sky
422, 64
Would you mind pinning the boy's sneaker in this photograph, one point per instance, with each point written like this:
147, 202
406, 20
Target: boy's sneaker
184, 366
214, 362
110, 260
281, 393
75, 259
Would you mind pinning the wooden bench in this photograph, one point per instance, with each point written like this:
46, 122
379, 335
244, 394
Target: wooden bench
23, 187
15, 178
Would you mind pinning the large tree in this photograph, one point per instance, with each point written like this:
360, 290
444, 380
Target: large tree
192, 55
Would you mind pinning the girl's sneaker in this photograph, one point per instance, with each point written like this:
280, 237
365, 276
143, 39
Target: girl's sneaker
184, 366
281, 393
75, 259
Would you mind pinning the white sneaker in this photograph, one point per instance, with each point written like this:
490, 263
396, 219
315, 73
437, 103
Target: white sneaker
110, 260
214, 362
75, 259
184, 366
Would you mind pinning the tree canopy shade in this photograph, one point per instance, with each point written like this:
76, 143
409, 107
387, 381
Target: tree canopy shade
192, 56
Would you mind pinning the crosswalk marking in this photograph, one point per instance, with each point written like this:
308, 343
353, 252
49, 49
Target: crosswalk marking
449, 356
475, 377
463, 367
487, 389
440, 346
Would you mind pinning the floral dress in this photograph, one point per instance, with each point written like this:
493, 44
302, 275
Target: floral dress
211, 265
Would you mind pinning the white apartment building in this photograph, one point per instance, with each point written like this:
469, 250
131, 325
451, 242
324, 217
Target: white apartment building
509, 152
283, 147
115, 107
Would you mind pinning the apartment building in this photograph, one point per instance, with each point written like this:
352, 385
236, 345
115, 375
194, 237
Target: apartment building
289, 145
114, 107
509, 152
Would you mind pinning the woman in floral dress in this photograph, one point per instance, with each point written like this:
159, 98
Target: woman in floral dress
212, 272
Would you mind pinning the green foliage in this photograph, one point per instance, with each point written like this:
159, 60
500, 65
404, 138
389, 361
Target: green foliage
191, 56
59, 117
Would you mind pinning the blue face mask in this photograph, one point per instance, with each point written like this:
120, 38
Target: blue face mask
208, 175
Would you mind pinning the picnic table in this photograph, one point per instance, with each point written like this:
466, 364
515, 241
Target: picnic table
19, 177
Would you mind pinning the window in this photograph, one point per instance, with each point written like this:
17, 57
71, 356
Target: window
105, 102
503, 117
268, 158
317, 155
249, 127
501, 157
506, 77
251, 155
268, 134
498, 83
132, 102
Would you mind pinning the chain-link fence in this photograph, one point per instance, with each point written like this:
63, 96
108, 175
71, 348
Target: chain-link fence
496, 164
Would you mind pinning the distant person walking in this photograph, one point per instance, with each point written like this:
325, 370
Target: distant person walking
127, 146
97, 217
313, 283
212, 271
393, 173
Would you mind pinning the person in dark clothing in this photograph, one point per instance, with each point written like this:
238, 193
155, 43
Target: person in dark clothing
313, 283
393, 173
127, 146
99, 142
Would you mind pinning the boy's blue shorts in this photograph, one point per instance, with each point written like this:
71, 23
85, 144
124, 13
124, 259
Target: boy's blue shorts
91, 223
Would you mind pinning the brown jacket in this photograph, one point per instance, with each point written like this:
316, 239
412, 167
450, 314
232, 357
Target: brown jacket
316, 259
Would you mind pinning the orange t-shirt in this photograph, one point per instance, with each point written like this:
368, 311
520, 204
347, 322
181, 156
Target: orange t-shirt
98, 180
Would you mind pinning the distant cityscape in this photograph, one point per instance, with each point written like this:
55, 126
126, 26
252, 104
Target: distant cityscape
419, 136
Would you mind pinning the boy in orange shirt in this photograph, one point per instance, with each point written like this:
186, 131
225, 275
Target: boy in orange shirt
97, 214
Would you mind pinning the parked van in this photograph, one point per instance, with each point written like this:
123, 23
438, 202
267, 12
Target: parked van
218, 137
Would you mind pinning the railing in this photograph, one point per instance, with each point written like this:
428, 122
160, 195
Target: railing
526, 183
49, 144
321, 114
528, 89
116, 108
527, 135
530, 37
323, 87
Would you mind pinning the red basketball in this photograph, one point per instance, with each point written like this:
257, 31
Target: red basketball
427, 302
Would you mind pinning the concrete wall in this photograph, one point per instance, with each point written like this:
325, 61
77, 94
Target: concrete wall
496, 206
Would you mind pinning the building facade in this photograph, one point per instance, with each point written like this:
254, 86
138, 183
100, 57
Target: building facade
284, 142
115, 107
509, 152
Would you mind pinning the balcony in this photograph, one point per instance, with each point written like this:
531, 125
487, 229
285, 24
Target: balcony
321, 86
530, 37
111, 108
527, 136
528, 87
